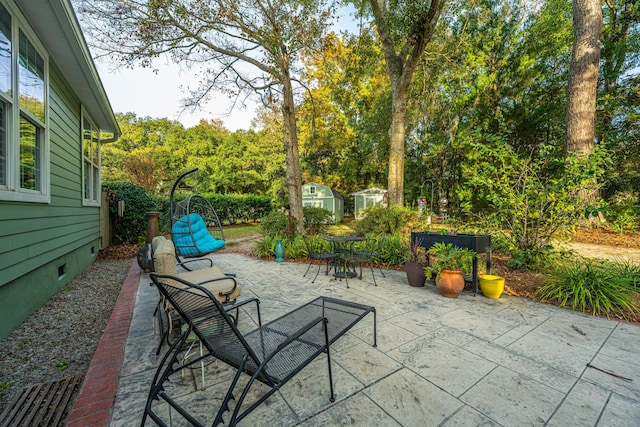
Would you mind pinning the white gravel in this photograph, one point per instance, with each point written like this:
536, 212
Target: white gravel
59, 339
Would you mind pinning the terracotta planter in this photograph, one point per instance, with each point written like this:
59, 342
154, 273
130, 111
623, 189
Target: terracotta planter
451, 283
415, 273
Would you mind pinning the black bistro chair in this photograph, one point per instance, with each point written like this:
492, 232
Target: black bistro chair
369, 254
317, 251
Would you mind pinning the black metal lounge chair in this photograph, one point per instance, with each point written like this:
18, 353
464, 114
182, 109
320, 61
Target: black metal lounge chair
271, 354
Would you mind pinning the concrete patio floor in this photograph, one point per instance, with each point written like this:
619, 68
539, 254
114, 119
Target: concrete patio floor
439, 362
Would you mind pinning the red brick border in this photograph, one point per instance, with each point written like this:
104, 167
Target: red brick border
95, 399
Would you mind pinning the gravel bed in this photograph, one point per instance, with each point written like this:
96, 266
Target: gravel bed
59, 339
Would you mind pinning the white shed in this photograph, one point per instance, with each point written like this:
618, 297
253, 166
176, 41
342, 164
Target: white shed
369, 198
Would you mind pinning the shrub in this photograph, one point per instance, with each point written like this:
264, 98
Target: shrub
274, 224
594, 286
293, 247
394, 250
624, 212
132, 226
533, 198
266, 247
316, 220
380, 220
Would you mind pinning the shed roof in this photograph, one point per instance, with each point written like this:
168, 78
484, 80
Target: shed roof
372, 190
335, 193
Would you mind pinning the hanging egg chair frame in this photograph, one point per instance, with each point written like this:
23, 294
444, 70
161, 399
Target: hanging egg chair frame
195, 227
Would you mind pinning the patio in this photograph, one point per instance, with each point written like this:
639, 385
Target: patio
466, 361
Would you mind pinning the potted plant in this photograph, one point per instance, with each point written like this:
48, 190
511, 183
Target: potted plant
451, 262
414, 264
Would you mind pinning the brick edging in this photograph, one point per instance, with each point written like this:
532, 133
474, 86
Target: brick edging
93, 405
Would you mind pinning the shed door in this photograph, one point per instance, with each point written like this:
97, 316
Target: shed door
370, 201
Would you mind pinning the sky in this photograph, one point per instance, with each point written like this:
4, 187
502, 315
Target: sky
158, 95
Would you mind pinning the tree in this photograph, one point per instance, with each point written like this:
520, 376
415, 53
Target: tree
583, 76
583, 82
244, 47
405, 29
342, 118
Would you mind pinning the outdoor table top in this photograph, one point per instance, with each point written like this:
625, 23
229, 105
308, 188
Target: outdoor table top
341, 315
344, 239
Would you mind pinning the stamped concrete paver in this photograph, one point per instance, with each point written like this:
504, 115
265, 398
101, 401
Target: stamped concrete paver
461, 362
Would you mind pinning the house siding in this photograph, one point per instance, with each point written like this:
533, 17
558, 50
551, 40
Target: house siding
37, 239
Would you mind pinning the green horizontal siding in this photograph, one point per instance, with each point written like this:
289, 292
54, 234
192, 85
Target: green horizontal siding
36, 239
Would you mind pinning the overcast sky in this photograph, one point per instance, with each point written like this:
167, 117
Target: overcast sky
158, 95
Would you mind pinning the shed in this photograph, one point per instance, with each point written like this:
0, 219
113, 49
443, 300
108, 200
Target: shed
323, 196
369, 198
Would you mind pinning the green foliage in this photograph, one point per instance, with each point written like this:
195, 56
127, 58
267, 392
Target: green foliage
4, 388
381, 220
624, 211
393, 250
316, 220
594, 286
274, 224
132, 226
231, 209
294, 247
449, 257
529, 200
266, 247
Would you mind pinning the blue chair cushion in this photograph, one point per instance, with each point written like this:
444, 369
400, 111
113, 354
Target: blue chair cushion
191, 237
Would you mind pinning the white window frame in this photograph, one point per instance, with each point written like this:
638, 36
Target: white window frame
312, 189
313, 203
11, 190
94, 187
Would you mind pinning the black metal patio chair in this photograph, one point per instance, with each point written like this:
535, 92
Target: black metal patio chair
369, 254
317, 251
271, 354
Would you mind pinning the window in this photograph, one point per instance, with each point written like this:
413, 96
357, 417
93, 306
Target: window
3, 145
313, 203
90, 162
24, 154
5, 87
312, 189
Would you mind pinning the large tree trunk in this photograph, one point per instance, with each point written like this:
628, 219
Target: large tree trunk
397, 133
583, 84
402, 53
293, 177
583, 76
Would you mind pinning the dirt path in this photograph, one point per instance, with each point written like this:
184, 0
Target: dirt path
602, 251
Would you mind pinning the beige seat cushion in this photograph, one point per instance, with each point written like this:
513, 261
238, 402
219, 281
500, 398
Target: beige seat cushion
164, 262
164, 258
203, 276
156, 241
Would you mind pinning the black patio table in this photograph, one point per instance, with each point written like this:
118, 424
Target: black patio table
341, 316
343, 251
